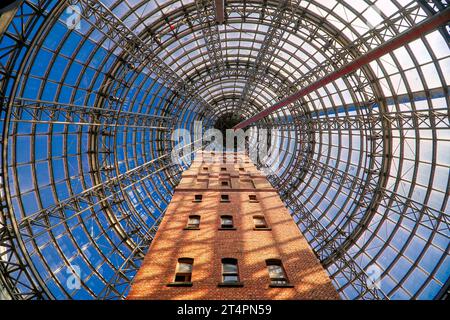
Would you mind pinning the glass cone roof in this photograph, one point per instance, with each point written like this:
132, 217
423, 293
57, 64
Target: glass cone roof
91, 91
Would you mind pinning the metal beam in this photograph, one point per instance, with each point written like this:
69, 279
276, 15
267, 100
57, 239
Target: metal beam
404, 38
402, 120
434, 6
124, 275
86, 200
139, 51
6, 15
40, 111
340, 56
267, 51
207, 15
103, 191
353, 273
220, 11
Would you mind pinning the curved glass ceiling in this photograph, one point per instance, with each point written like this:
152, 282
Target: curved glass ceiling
91, 91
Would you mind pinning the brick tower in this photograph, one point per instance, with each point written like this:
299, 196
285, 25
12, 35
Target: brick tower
227, 235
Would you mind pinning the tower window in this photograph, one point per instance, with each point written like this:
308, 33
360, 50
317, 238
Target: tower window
223, 169
198, 198
224, 198
277, 273
193, 222
205, 168
224, 183
184, 270
230, 271
226, 222
253, 198
242, 169
260, 222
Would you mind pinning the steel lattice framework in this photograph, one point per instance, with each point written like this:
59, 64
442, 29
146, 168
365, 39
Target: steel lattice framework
90, 94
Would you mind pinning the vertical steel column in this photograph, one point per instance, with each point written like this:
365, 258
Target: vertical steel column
220, 11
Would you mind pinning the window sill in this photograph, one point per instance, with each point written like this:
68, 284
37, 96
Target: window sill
262, 229
225, 201
197, 201
188, 228
288, 285
254, 201
180, 284
227, 229
230, 285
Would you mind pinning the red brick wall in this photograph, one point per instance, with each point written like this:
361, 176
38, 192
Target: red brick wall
209, 245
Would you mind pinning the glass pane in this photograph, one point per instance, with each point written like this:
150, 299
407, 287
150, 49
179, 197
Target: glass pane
276, 271
230, 278
194, 221
259, 222
227, 221
184, 268
230, 268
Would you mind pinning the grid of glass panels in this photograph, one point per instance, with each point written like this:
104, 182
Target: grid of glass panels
406, 227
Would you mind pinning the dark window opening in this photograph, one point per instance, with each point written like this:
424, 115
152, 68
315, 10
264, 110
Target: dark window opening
193, 222
184, 270
230, 271
226, 222
277, 273
253, 198
198, 198
225, 198
260, 222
